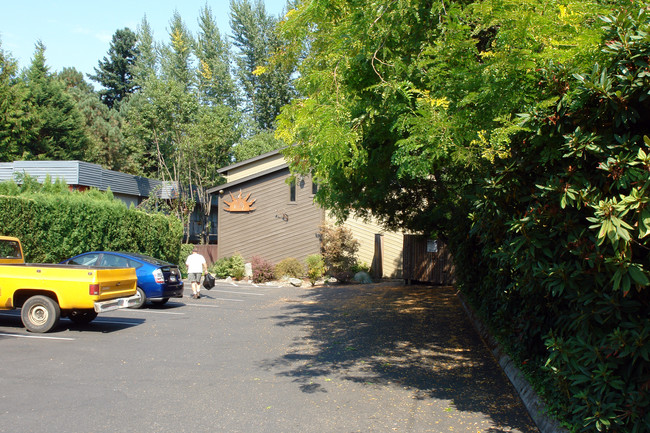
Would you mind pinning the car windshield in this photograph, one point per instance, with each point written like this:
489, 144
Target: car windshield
149, 259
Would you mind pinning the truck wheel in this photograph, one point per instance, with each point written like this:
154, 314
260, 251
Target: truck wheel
82, 317
143, 299
40, 314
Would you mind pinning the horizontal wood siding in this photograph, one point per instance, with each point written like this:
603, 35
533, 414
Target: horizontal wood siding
429, 267
277, 228
257, 166
393, 254
365, 233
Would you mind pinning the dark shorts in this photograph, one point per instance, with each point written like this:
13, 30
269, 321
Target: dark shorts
194, 277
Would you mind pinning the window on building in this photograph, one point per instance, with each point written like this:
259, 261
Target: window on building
292, 190
314, 187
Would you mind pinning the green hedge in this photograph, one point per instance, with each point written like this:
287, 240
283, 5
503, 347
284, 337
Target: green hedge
558, 254
53, 227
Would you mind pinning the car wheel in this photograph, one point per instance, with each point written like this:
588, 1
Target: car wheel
162, 301
143, 299
40, 314
82, 317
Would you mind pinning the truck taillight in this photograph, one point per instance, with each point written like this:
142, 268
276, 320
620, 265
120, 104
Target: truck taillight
158, 276
93, 290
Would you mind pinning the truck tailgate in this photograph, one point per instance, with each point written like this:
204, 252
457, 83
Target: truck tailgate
115, 282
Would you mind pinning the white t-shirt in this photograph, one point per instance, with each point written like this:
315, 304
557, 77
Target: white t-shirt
195, 262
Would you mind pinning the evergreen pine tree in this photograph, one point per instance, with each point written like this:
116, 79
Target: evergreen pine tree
115, 72
55, 129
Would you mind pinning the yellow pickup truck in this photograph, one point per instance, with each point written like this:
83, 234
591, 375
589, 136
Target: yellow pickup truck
46, 292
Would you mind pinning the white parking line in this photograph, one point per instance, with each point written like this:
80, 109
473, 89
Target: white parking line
127, 310
239, 293
42, 337
202, 305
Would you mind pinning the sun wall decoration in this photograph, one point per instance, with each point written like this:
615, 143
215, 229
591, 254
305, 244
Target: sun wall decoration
239, 203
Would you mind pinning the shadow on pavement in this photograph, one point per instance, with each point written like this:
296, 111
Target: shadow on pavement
414, 337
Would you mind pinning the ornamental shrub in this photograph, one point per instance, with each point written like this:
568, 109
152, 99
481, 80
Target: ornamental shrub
315, 268
289, 267
263, 270
232, 266
339, 249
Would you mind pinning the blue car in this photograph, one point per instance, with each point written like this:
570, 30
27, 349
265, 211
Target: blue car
157, 280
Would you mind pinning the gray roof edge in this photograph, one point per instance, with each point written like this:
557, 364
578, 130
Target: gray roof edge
247, 178
250, 161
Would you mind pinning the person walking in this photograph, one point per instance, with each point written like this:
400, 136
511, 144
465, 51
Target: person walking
196, 267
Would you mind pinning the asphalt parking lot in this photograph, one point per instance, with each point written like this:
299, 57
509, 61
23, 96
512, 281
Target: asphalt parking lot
244, 358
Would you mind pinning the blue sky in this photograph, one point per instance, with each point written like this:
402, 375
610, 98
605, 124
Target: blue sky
78, 33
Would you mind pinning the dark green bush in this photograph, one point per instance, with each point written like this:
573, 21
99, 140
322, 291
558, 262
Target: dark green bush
185, 251
361, 267
559, 246
55, 226
289, 267
232, 266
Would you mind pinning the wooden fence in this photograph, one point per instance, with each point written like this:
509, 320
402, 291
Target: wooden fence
428, 261
209, 252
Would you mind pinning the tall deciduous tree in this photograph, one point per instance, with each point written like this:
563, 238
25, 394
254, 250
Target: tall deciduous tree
147, 64
115, 72
177, 57
216, 85
406, 102
266, 88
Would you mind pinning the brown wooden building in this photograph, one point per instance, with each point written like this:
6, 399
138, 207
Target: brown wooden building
261, 213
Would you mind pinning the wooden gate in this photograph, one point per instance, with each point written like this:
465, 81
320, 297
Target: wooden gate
428, 261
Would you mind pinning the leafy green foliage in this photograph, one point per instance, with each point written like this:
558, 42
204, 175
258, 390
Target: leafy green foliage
185, 251
54, 129
409, 100
266, 88
12, 108
289, 267
232, 266
315, 267
54, 223
559, 240
256, 145
411, 112
216, 84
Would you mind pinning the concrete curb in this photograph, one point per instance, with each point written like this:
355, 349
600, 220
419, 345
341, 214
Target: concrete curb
534, 405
